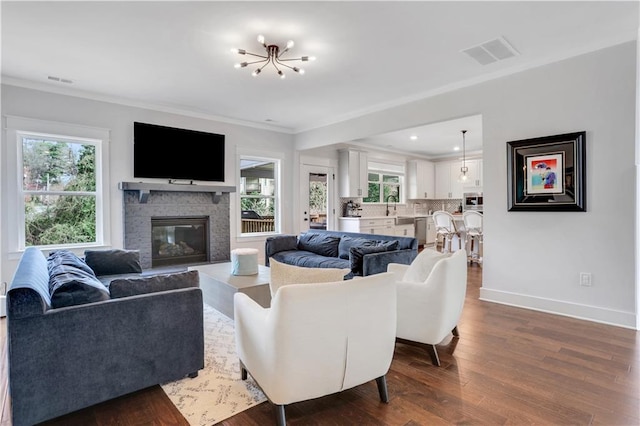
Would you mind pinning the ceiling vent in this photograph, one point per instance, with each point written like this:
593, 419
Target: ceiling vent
60, 80
491, 51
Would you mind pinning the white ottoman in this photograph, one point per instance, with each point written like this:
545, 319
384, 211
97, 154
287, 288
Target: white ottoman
244, 261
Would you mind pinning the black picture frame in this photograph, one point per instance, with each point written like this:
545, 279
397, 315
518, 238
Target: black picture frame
547, 173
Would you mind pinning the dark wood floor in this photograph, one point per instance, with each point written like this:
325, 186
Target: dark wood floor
510, 367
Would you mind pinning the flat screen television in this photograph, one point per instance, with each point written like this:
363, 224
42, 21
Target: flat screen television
177, 154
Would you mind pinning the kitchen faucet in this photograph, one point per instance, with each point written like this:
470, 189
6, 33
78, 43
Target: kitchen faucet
395, 200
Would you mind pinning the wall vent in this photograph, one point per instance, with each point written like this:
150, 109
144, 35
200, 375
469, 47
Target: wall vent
491, 51
60, 80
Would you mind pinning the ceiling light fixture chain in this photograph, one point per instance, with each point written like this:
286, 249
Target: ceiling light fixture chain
464, 169
273, 57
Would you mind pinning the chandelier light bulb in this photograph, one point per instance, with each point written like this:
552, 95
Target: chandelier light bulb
273, 55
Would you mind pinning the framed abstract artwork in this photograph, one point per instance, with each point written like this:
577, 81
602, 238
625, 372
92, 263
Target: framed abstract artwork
547, 173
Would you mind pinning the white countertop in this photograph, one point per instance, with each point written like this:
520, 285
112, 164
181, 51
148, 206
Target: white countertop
386, 217
366, 217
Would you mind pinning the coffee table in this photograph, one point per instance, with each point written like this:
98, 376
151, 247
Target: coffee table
218, 286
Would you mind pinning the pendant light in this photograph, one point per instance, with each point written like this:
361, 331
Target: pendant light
464, 169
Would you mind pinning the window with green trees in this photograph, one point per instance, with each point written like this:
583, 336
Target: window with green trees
383, 186
59, 190
318, 195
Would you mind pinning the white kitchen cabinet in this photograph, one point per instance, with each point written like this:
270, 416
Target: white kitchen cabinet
447, 185
353, 173
474, 182
421, 179
404, 231
431, 231
375, 225
348, 224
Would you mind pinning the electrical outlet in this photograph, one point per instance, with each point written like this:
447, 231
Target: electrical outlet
585, 279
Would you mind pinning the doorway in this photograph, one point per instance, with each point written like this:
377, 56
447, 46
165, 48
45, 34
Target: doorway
315, 195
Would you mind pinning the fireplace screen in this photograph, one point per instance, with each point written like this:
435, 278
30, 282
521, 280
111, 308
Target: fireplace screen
179, 240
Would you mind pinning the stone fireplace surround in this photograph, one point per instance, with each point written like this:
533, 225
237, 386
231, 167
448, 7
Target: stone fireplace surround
139, 210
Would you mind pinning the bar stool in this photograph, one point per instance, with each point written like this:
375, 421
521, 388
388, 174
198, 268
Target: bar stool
473, 239
446, 229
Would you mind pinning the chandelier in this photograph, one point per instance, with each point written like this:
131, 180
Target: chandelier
464, 169
274, 56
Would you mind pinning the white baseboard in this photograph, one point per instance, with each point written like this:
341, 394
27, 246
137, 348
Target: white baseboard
573, 310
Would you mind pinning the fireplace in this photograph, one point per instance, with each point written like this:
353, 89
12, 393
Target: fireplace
179, 240
141, 207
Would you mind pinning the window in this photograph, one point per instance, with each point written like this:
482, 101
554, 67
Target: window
259, 195
58, 190
386, 182
57, 184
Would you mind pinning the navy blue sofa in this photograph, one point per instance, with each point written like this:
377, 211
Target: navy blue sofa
84, 338
363, 254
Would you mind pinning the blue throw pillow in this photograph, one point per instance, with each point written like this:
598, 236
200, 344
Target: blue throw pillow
346, 242
356, 255
322, 244
66, 258
72, 282
112, 262
126, 287
390, 244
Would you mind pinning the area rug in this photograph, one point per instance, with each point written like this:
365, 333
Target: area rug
218, 392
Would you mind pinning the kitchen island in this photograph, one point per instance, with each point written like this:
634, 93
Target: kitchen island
383, 225
417, 225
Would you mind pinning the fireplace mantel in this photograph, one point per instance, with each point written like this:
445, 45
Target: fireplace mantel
144, 189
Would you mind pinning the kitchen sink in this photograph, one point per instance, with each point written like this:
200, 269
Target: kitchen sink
404, 220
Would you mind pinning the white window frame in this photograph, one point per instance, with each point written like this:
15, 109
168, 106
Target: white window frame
277, 208
382, 168
16, 129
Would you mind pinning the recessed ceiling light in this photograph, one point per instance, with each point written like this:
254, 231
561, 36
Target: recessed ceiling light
413, 137
456, 148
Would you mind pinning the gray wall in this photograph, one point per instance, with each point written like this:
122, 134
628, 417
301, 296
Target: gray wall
534, 259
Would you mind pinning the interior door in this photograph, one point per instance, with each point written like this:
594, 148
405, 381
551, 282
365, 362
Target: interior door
316, 191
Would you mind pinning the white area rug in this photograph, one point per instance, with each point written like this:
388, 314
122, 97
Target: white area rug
218, 392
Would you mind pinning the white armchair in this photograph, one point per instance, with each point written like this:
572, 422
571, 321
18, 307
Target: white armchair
318, 339
430, 296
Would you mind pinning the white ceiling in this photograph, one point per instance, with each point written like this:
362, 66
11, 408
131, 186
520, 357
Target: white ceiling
370, 55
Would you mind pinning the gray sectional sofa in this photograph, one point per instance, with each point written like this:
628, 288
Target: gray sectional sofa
74, 341
363, 254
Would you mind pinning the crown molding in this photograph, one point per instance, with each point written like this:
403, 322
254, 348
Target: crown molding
45, 87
